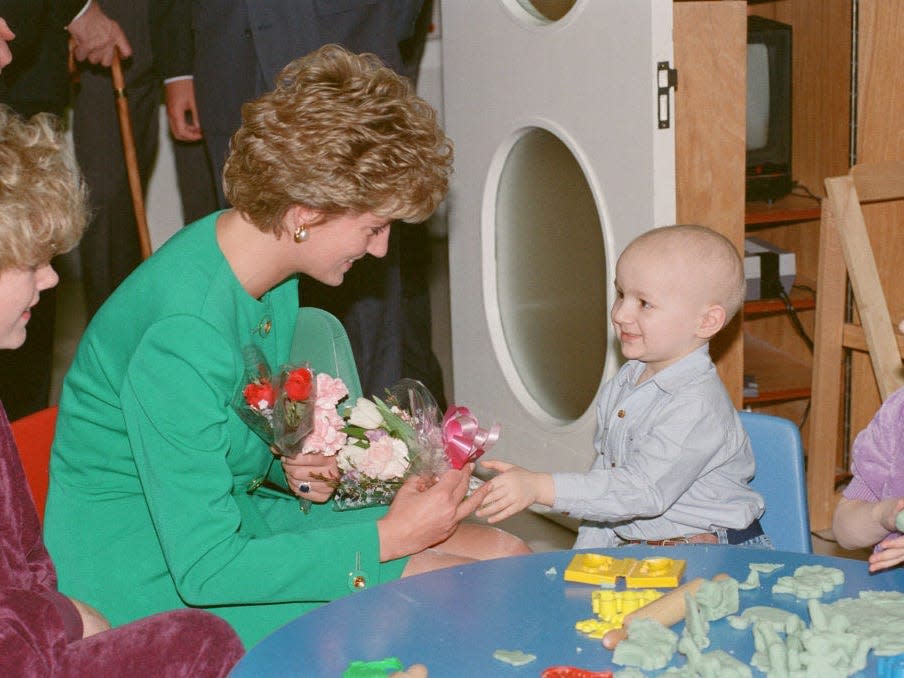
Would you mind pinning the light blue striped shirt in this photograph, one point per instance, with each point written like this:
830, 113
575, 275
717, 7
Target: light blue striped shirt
673, 460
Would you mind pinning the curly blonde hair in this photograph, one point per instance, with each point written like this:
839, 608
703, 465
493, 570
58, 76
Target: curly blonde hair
341, 133
43, 200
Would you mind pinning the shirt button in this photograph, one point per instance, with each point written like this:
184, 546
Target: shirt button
621, 414
264, 327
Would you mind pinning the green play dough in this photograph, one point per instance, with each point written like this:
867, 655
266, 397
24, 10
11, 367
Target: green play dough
715, 664
877, 616
899, 521
777, 619
514, 657
649, 646
756, 569
718, 599
809, 581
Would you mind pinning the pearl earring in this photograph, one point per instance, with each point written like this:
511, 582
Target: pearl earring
301, 234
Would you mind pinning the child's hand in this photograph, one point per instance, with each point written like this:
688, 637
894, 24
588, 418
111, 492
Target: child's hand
889, 510
889, 553
513, 490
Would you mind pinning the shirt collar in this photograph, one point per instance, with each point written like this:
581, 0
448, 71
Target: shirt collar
675, 375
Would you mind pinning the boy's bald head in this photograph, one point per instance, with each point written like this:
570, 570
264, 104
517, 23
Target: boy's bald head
709, 259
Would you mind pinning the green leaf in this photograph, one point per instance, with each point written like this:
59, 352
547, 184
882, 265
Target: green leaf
394, 423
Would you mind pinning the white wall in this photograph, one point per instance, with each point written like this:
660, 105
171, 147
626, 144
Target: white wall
162, 204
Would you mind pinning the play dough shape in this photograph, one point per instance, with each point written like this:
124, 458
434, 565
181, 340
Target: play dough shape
696, 627
718, 598
809, 581
777, 619
611, 607
875, 615
756, 569
899, 521
629, 672
514, 657
649, 646
716, 663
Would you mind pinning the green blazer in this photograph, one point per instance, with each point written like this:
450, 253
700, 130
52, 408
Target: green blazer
147, 508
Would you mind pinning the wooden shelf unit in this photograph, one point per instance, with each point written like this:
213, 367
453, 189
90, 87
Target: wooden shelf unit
779, 376
791, 208
711, 58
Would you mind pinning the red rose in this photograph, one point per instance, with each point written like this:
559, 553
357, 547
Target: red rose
298, 384
260, 395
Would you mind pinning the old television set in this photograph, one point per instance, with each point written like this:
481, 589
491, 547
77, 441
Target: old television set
768, 109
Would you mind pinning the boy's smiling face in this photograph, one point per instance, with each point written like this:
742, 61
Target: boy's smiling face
660, 310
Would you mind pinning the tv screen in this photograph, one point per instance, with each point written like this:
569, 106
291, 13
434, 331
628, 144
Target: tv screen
768, 109
757, 97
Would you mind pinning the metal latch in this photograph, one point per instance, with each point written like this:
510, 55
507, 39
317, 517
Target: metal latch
666, 79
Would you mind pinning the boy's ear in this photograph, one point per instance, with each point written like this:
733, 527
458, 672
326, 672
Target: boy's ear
712, 320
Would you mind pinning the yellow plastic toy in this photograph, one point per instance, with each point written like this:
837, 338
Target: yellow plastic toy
603, 570
611, 607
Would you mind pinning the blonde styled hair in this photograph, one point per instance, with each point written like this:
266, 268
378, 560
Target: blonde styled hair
340, 133
713, 255
43, 200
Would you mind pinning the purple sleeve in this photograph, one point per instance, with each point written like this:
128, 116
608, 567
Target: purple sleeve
72, 620
32, 635
877, 456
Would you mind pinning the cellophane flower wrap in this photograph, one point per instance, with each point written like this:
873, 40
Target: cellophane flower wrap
389, 441
294, 411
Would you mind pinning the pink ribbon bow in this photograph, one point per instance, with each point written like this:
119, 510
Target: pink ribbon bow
463, 439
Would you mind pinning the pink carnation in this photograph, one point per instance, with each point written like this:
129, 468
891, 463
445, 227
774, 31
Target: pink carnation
385, 459
327, 436
329, 391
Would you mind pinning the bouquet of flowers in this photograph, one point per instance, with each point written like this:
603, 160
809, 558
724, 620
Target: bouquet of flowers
379, 443
388, 441
293, 412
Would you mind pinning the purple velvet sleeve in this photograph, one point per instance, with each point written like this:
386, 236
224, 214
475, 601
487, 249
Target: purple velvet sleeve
877, 457
31, 634
72, 620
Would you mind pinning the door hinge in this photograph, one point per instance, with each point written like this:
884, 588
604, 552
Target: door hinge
666, 79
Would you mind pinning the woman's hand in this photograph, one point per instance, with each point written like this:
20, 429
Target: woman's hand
513, 490
421, 516
5, 36
92, 621
305, 471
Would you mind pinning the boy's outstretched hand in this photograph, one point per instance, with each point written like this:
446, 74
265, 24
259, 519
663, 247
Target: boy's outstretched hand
513, 490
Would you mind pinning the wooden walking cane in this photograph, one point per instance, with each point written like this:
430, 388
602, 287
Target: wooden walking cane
128, 149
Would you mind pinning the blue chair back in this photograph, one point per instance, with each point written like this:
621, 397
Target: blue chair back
781, 479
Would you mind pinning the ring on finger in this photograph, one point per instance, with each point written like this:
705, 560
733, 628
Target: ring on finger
304, 488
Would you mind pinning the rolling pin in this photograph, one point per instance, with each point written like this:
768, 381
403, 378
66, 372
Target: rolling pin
668, 610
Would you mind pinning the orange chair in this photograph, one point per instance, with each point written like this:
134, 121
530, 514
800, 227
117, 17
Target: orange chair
34, 435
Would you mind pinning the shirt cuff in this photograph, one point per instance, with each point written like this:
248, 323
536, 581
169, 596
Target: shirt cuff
81, 11
72, 620
167, 81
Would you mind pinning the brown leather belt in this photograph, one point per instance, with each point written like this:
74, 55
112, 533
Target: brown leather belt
702, 538
733, 537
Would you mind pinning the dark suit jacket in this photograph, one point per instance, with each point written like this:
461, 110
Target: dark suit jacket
38, 78
240, 45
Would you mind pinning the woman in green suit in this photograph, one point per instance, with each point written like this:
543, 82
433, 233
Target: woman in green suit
148, 509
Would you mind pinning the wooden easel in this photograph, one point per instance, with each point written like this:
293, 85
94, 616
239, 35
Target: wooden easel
845, 253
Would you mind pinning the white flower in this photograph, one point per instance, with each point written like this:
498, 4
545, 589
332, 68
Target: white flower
365, 414
350, 456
